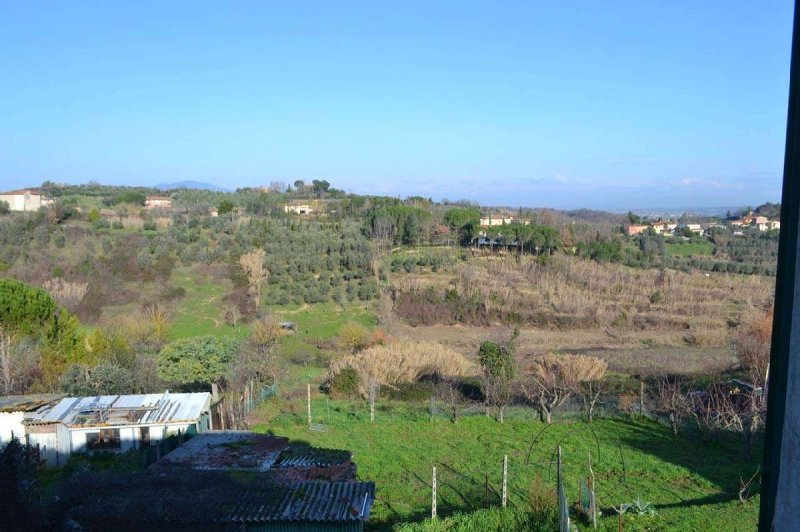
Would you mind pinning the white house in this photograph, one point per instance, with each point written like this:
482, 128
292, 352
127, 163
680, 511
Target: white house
15, 410
115, 423
27, 199
297, 209
152, 202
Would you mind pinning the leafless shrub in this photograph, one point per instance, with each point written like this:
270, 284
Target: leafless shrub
448, 390
266, 331
403, 362
19, 364
67, 294
232, 315
671, 399
549, 380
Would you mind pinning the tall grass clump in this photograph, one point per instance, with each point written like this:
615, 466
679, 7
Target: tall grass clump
402, 362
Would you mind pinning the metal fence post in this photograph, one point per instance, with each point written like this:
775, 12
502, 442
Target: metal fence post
433, 495
505, 480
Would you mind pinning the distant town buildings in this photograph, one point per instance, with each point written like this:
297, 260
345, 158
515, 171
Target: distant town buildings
152, 202
24, 200
751, 221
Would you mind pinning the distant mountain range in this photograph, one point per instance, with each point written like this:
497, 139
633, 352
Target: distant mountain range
191, 184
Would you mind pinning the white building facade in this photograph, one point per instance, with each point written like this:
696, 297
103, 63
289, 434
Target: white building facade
109, 423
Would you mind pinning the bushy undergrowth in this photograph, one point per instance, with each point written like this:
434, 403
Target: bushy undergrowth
569, 292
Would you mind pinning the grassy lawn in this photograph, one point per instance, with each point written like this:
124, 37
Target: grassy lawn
692, 485
319, 322
200, 311
695, 249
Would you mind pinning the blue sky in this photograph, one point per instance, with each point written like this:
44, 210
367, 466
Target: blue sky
617, 104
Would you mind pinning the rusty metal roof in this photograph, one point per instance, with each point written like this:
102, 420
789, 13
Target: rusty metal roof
27, 403
225, 450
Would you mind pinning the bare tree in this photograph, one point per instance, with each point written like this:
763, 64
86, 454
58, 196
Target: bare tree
253, 265
19, 364
277, 187
549, 380
448, 391
590, 383
383, 235
671, 398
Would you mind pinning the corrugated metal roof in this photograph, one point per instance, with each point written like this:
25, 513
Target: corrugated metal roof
316, 501
27, 403
199, 499
296, 456
128, 409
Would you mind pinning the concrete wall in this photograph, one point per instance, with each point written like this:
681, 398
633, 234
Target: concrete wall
19, 202
11, 422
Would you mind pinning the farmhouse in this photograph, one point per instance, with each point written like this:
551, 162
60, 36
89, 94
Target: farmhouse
152, 202
694, 228
116, 423
297, 208
24, 200
637, 229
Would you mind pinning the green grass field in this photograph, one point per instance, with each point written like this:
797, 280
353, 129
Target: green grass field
692, 485
695, 249
200, 311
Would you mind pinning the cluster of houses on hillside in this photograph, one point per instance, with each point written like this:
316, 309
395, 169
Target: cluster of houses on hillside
750, 221
211, 479
502, 219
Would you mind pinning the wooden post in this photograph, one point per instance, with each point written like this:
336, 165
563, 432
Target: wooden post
433, 495
505, 479
309, 403
372, 393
